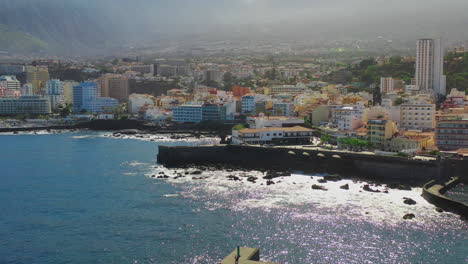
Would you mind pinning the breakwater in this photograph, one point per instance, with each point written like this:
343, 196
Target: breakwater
433, 193
386, 168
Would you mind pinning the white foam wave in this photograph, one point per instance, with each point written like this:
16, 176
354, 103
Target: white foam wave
168, 138
295, 192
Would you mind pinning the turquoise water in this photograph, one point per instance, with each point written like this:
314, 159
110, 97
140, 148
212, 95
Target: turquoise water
85, 198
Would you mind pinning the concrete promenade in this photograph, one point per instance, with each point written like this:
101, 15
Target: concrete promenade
433, 193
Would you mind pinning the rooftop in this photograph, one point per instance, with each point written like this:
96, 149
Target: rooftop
268, 129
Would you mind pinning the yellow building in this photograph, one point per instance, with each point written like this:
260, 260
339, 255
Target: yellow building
68, 91
38, 78
410, 143
380, 130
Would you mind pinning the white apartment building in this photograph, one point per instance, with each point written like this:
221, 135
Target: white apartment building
430, 66
417, 116
277, 135
262, 121
137, 101
10, 83
387, 84
288, 89
347, 117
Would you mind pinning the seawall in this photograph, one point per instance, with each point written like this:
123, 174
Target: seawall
433, 193
386, 168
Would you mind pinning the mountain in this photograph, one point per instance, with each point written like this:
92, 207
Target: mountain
65, 26
106, 26
15, 41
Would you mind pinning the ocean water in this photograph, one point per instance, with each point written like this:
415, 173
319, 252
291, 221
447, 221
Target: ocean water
90, 198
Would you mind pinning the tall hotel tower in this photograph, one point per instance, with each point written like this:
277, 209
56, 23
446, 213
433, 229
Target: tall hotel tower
430, 66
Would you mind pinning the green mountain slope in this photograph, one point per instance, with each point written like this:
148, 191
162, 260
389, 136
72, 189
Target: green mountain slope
15, 41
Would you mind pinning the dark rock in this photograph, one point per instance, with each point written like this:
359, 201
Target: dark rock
368, 189
199, 178
398, 186
345, 187
270, 182
196, 172
252, 179
440, 210
386, 191
408, 216
333, 178
318, 187
409, 201
153, 176
233, 178
273, 174
322, 181
163, 177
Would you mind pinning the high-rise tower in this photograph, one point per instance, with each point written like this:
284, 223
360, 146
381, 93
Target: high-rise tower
430, 66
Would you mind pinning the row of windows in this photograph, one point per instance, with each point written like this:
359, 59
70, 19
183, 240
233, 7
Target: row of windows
416, 108
422, 118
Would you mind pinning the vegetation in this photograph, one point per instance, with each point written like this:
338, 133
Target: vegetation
368, 72
354, 143
66, 111
239, 127
403, 155
456, 69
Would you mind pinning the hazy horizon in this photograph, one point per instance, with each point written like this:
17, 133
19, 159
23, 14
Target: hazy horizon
83, 24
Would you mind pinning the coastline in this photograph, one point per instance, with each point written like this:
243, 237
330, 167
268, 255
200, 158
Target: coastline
130, 127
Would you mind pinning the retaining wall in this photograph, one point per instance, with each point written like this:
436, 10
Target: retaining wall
433, 193
370, 166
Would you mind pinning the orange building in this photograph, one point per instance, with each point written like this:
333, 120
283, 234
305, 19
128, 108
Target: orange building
239, 91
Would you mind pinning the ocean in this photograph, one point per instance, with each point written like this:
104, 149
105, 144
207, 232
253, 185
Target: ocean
86, 197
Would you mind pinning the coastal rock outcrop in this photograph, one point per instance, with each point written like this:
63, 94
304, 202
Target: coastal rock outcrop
270, 182
199, 178
318, 187
274, 174
252, 179
367, 188
233, 178
333, 178
322, 181
399, 187
345, 187
409, 201
408, 216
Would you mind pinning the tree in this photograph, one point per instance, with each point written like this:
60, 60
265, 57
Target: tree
399, 101
238, 127
395, 60
66, 111
377, 96
325, 139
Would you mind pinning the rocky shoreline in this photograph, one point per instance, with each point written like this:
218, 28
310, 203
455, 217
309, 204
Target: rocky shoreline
270, 178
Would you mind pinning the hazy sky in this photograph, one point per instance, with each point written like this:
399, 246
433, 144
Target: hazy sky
223, 19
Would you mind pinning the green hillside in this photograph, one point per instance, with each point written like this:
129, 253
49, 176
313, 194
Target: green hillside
14, 41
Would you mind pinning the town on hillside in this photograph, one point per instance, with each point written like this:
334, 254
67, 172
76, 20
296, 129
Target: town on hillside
392, 105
